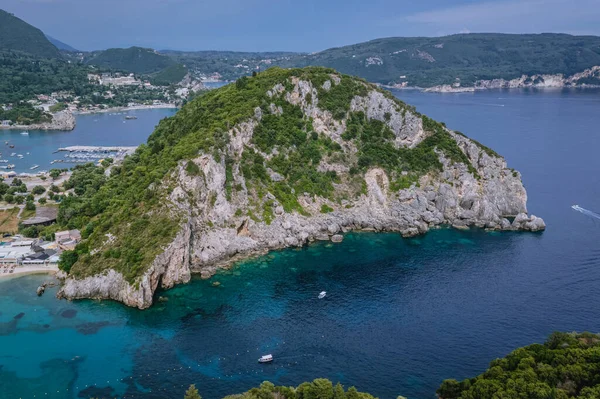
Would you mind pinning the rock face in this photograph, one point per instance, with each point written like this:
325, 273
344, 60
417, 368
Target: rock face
539, 81
217, 230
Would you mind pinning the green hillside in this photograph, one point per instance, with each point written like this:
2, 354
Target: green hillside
133, 59
566, 366
429, 61
170, 75
18, 35
131, 205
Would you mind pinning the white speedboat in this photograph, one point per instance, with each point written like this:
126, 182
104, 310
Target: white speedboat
25, 133
34, 167
322, 294
266, 359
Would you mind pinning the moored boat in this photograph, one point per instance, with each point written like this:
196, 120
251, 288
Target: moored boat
322, 294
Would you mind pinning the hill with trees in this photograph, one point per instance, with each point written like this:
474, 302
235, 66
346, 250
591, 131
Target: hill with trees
567, 366
431, 61
133, 59
17, 35
306, 146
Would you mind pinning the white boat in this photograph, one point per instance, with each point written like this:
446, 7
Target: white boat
266, 359
34, 167
322, 294
25, 133
13, 154
4, 160
19, 156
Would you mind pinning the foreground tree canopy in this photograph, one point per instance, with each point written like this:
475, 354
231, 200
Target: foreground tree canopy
566, 366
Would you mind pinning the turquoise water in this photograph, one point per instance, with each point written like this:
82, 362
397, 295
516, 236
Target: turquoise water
400, 314
105, 129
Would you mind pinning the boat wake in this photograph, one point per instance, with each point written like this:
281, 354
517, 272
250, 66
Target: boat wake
586, 212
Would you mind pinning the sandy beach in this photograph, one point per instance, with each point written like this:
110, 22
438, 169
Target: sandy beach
28, 269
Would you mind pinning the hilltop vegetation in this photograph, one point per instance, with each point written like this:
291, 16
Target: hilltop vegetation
17, 35
131, 207
566, 366
133, 59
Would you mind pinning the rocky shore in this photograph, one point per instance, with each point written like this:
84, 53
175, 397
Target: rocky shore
63, 120
216, 232
525, 81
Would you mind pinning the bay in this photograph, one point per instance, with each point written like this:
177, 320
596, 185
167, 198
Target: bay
400, 314
101, 129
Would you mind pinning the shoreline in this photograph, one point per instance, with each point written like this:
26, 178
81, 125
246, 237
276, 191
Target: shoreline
122, 109
21, 271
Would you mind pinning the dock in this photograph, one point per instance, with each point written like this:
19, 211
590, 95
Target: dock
97, 149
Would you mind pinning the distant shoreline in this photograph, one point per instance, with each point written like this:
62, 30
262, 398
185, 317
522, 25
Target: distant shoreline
121, 109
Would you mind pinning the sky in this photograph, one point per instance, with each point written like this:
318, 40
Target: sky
300, 25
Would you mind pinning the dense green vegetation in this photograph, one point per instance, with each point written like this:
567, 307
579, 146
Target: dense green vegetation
130, 206
170, 75
24, 114
320, 388
566, 366
133, 59
18, 35
22, 77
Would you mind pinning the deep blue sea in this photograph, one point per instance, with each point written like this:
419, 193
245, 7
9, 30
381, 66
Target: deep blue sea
103, 129
400, 314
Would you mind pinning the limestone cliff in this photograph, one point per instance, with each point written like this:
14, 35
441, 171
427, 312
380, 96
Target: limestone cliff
244, 199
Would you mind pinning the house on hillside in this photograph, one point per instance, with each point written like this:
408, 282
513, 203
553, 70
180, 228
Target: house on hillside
68, 239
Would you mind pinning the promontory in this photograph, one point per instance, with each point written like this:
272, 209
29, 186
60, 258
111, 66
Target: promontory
278, 160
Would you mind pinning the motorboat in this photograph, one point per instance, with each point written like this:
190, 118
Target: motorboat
34, 167
266, 359
131, 117
322, 294
25, 133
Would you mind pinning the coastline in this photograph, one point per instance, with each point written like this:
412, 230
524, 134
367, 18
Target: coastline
121, 109
21, 271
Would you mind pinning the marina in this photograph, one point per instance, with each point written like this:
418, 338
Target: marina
95, 137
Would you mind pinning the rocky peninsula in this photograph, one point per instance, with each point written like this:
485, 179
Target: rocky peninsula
280, 160
62, 120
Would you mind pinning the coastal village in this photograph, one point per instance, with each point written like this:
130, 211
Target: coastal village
113, 92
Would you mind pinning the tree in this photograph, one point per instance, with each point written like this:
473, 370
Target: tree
54, 173
67, 260
37, 190
192, 392
29, 206
42, 200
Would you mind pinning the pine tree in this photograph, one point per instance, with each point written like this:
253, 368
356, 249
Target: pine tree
192, 393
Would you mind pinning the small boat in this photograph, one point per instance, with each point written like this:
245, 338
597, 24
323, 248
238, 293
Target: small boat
25, 133
322, 294
3, 160
19, 156
12, 146
6, 142
11, 166
13, 154
34, 167
266, 359
130, 117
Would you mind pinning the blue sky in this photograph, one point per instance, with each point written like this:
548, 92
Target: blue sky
307, 25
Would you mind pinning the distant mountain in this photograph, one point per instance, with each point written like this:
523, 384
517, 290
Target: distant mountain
430, 61
134, 59
18, 35
60, 45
